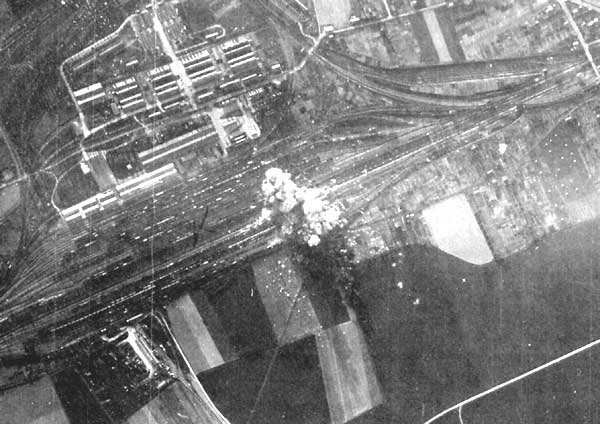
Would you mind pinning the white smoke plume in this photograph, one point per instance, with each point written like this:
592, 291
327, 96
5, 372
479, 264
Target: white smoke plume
297, 209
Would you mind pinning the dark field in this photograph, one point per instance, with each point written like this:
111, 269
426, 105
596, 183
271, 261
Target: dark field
454, 330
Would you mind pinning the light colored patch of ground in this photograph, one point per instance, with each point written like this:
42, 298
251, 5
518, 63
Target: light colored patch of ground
367, 41
193, 335
9, 241
278, 283
226, 9
439, 42
584, 208
35, 403
177, 404
348, 372
454, 230
10, 196
333, 12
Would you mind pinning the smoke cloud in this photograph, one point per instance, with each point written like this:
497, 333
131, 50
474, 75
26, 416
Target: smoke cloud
298, 210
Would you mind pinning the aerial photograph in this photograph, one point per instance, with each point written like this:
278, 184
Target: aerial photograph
299, 211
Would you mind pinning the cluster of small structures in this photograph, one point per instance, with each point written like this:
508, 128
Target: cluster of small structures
165, 108
532, 178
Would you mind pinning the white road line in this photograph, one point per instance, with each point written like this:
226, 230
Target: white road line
459, 405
